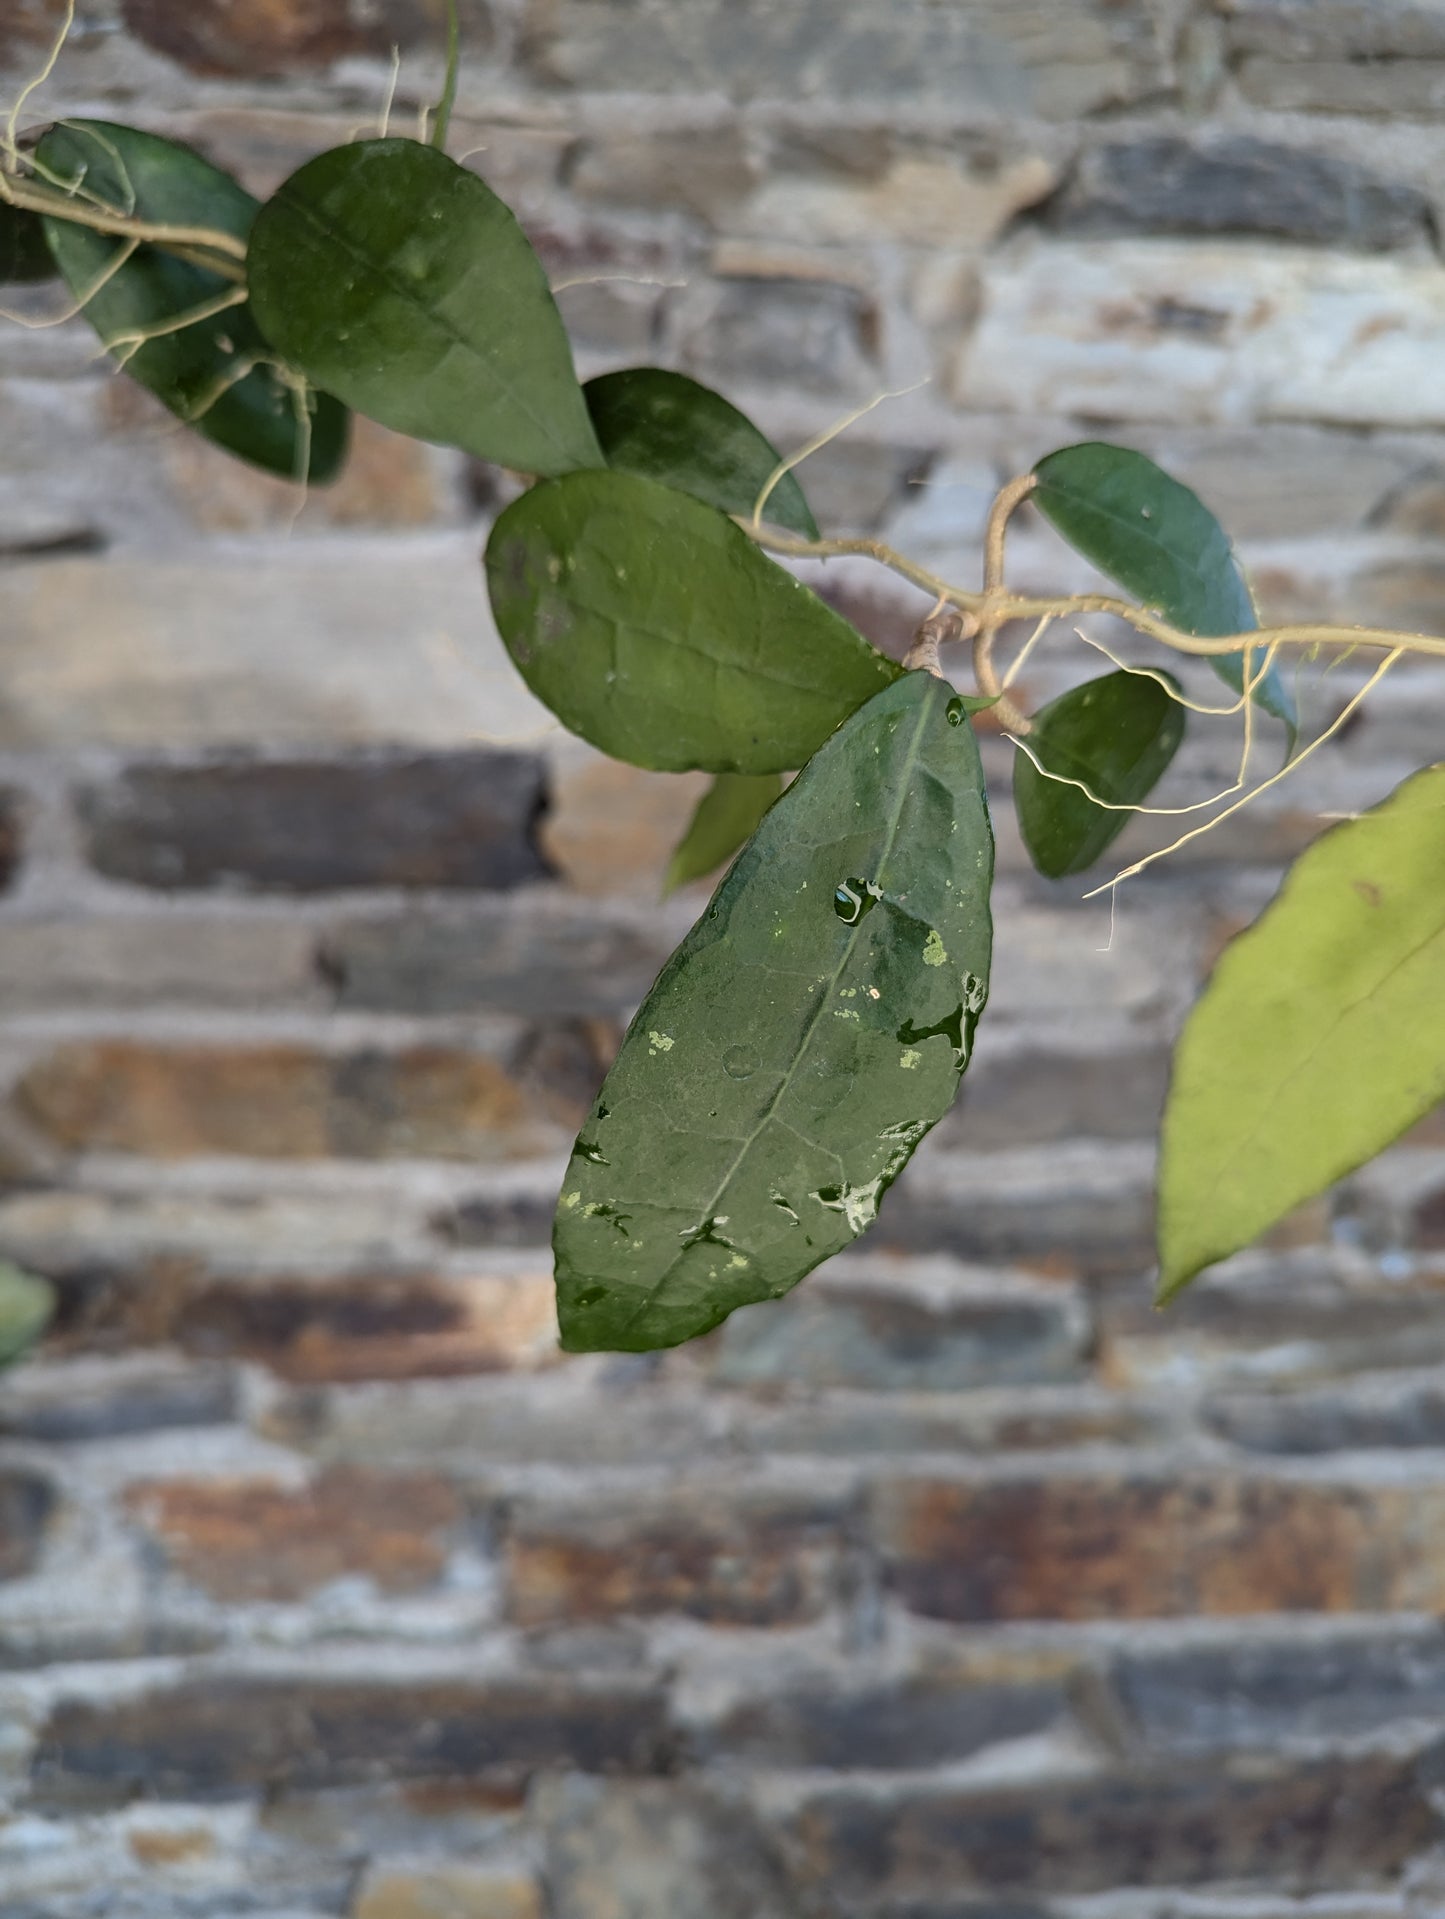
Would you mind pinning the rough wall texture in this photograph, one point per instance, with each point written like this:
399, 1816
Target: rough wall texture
960, 1586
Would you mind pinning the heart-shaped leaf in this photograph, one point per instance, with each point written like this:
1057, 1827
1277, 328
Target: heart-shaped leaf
24, 255
1319, 1038
667, 427
652, 626
727, 815
1113, 736
799, 1043
215, 372
1163, 545
399, 280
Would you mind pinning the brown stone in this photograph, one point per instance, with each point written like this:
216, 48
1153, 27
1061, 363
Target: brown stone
1135, 1546
226, 1736
1317, 1824
279, 1102
262, 37
375, 1326
164, 1847
754, 1559
250, 1539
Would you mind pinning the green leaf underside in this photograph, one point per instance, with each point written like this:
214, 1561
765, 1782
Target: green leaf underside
799, 1043
1319, 1038
1161, 543
726, 817
197, 371
24, 255
26, 1306
397, 279
655, 629
1116, 734
667, 427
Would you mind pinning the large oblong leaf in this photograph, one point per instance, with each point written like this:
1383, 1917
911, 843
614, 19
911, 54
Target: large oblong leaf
668, 427
655, 629
1115, 735
1318, 1040
1163, 545
799, 1043
399, 280
726, 818
215, 372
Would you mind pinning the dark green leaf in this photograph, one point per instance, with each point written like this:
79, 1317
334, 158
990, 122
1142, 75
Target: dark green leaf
23, 252
1163, 545
397, 279
653, 627
26, 1307
1319, 1038
207, 372
799, 1043
726, 816
1115, 735
667, 427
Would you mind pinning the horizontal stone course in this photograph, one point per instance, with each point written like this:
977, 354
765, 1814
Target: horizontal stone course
440, 820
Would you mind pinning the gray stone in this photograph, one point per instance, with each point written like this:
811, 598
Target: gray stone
105, 1399
1165, 184
1389, 89
27, 1506
1396, 1412
12, 814
930, 1328
1337, 29
819, 336
149, 959
543, 953
435, 820
1262, 1692
656, 1851
1031, 1098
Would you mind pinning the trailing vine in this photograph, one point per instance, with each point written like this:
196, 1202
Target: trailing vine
817, 1020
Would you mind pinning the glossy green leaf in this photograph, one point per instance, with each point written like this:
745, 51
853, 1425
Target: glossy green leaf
726, 817
667, 427
26, 1307
209, 372
1115, 736
399, 280
1318, 1040
1163, 545
799, 1043
24, 255
653, 627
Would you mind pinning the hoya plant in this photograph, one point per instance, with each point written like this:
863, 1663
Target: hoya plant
816, 1022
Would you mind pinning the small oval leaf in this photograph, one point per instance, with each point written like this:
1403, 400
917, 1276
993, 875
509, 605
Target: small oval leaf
655, 629
215, 373
27, 1305
1319, 1038
397, 279
667, 427
1163, 545
1115, 735
727, 816
799, 1043
24, 255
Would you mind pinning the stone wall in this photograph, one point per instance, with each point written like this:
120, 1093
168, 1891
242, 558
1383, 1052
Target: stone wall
961, 1585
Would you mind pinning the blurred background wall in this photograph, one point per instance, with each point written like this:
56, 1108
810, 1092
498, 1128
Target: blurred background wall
962, 1585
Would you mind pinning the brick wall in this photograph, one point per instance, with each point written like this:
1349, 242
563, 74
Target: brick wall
961, 1585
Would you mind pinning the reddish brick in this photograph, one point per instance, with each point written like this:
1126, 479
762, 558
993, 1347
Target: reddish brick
1135, 1546
250, 1539
261, 37
281, 1102
754, 1559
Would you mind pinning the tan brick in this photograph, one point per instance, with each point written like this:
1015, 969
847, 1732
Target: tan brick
433, 1890
251, 1539
280, 1102
1134, 1546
